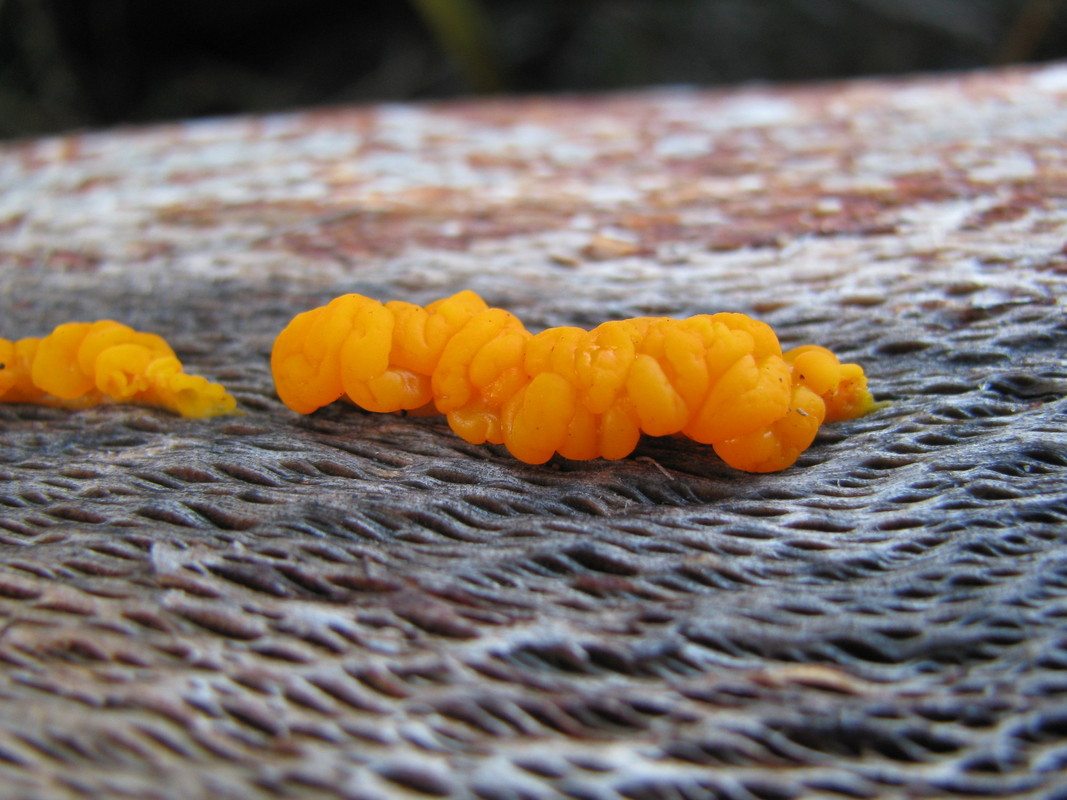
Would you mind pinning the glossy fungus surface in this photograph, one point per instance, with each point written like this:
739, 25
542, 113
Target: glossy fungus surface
82, 364
720, 379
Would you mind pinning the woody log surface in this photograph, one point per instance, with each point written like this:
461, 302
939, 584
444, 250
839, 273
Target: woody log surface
349, 605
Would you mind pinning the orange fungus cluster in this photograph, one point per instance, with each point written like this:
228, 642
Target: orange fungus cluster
82, 364
720, 379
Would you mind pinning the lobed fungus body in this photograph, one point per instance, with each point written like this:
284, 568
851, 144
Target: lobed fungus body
720, 379
82, 364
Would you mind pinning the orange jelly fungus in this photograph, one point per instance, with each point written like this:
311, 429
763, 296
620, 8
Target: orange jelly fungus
82, 364
720, 379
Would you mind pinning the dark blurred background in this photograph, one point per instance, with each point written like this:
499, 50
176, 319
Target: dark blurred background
90, 63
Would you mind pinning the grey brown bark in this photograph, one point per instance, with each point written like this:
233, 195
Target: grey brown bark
360, 606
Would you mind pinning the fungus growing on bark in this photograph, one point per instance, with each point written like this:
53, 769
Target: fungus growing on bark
82, 364
720, 379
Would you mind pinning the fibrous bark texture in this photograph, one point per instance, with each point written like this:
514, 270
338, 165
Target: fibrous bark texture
363, 606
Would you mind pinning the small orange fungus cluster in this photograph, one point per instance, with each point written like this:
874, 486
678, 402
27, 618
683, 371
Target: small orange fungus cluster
720, 379
82, 364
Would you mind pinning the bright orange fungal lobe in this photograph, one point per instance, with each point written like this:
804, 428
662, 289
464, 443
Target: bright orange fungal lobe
720, 379
82, 364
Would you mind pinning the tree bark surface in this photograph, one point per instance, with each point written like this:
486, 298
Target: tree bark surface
364, 606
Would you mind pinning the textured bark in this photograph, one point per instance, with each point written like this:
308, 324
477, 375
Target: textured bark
363, 606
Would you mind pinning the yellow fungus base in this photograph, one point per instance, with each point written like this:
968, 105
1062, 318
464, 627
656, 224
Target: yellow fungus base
82, 364
719, 379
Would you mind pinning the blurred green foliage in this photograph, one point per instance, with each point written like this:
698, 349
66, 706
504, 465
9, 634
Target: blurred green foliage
89, 63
